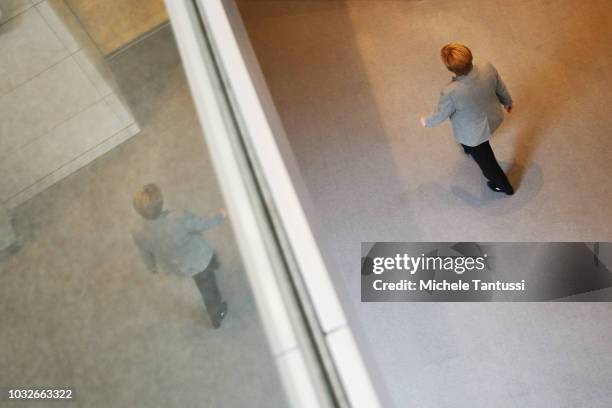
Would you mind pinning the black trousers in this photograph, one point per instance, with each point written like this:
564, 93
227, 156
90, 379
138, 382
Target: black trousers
206, 281
485, 158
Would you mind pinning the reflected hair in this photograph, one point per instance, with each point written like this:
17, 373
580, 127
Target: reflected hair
457, 58
149, 202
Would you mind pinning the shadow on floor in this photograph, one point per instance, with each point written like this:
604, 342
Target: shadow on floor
472, 190
142, 72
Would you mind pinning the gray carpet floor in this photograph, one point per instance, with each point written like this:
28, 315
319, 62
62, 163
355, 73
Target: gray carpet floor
78, 307
350, 80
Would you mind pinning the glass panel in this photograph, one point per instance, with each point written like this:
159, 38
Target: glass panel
79, 304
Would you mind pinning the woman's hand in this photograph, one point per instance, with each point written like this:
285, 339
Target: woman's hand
423, 121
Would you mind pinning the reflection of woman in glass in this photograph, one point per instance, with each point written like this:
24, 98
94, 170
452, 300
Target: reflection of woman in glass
171, 240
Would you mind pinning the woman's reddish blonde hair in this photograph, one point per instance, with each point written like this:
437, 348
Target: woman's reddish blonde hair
457, 58
149, 202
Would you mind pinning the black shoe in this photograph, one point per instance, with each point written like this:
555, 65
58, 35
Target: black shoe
220, 315
497, 189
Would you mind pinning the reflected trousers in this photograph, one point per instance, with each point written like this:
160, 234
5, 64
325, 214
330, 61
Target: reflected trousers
206, 281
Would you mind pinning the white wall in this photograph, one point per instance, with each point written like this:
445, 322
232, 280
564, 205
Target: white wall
292, 209
58, 106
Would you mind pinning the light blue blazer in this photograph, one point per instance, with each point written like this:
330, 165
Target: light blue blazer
173, 242
473, 102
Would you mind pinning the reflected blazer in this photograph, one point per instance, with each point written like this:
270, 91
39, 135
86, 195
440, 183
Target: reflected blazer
173, 242
473, 102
